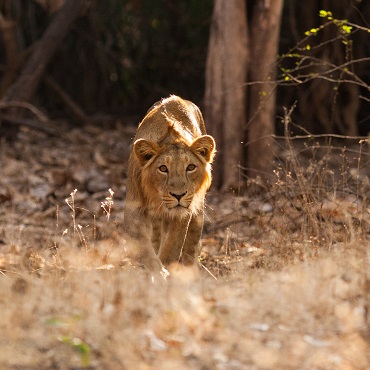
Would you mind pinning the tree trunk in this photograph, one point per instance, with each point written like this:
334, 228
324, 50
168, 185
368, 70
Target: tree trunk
264, 48
8, 33
225, 90
25, 86
331, 107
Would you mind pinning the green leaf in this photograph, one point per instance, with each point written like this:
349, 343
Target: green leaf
56, 322
347, 29
325, 13
79, 346
312, 31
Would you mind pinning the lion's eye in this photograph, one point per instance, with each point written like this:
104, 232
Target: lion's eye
163, 168
191, 167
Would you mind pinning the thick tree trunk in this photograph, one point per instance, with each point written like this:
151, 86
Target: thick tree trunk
264, 48
26, 84
225, 90
331, 107
7, 28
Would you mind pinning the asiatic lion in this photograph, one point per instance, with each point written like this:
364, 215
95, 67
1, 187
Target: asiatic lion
169, 172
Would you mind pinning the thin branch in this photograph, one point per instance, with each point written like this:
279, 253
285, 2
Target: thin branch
22, 104
28, 122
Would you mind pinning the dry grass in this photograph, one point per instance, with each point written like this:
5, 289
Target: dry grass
284, 282
306, 316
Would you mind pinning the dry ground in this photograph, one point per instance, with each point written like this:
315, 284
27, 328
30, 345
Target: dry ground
283, 281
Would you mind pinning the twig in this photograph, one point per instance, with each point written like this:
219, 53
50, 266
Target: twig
205, 268
28, 122
22, 104
76, 110
307, 195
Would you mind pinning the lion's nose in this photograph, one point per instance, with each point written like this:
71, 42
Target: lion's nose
178, 196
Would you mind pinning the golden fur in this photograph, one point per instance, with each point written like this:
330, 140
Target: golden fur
169, 172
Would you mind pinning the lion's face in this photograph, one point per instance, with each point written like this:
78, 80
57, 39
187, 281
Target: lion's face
176, 177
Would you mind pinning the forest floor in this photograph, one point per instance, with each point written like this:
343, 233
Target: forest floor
283, 280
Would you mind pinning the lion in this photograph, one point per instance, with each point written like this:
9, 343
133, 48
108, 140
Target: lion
169, 173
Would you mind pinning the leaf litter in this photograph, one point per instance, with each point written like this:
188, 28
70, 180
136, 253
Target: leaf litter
270, 294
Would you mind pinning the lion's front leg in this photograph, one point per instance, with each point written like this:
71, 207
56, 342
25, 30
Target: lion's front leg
191, 247
181, 242
137, 228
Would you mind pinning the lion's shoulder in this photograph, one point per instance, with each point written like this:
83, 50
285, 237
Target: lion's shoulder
172, 119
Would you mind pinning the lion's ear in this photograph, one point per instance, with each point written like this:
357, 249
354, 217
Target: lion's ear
205, 146
144, 150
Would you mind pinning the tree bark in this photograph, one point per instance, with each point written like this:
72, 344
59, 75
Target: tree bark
225, 90
325, 106
25, 86
7, 28
264, 48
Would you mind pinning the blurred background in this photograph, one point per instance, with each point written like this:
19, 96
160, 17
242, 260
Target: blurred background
118, 57
84, 59
122, 55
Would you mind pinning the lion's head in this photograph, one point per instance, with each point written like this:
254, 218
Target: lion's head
175, 176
